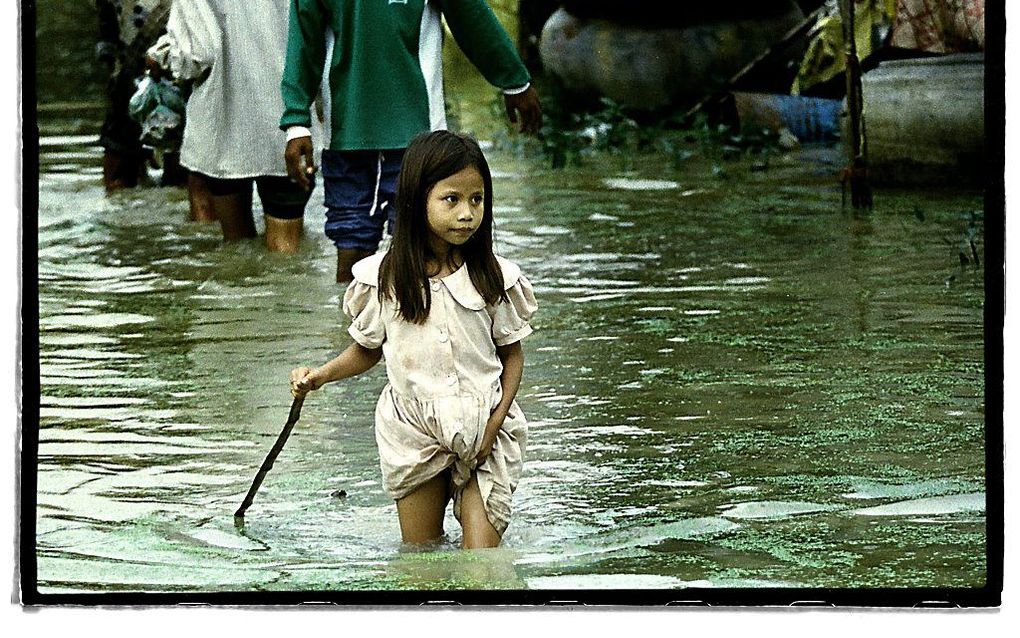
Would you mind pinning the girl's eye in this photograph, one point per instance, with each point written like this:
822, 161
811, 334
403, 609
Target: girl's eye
451, 198
476, 200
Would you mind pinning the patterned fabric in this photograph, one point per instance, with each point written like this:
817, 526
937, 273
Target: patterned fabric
933, 26
126, 30
825, 57
940, 26
136, 24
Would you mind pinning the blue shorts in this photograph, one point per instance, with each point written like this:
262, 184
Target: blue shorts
360, 188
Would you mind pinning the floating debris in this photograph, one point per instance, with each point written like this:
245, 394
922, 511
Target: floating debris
772, 509
628, 184
929, 506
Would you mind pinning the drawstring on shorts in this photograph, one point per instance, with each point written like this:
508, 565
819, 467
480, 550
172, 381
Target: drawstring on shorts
378, 182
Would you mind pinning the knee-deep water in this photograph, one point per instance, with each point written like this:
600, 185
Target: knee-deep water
732, 383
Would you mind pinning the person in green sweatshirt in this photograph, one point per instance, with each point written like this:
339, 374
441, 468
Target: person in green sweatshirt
385, 81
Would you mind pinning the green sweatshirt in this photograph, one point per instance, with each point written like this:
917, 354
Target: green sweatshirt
385, 74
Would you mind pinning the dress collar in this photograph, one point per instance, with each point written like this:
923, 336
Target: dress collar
462, 289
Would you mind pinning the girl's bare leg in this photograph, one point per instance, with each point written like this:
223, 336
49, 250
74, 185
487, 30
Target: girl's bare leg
421, 512
478, 531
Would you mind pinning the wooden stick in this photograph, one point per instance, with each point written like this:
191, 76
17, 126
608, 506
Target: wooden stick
295, 413
855, 176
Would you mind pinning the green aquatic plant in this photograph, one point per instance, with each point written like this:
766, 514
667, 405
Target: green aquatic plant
966, 247
568, 136
573, 132
726, 140
971, 236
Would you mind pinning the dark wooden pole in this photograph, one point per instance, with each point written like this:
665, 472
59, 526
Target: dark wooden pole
855, 176
295, 413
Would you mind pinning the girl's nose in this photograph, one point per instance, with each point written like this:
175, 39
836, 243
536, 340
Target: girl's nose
465, 214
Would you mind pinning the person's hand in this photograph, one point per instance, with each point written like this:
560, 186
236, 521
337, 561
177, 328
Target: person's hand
302, 382
524, 108
492, 428
300, 161
153, 68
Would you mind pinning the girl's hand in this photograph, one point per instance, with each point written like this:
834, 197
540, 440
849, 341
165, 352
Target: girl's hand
489, 438
302, 381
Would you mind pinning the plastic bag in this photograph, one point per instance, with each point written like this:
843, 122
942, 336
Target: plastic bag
158, 107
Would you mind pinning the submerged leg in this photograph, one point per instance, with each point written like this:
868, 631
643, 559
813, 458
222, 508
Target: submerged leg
121, 171
283, 235
231, 201
200, 208
478, 531
345, 259
173, 173
234, 213
283, 203
421, 512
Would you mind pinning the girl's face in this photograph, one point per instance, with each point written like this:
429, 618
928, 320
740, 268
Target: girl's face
455, 207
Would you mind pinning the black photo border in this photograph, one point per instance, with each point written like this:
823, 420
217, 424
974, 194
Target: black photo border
994, 309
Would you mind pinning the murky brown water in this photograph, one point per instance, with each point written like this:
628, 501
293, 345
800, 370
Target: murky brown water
732, 383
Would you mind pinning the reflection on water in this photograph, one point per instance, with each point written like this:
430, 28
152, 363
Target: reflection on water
731, 384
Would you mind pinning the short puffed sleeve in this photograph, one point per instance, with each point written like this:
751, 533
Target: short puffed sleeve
363, 306
511, 319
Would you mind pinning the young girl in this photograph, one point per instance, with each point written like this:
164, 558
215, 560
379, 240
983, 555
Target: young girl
449, 315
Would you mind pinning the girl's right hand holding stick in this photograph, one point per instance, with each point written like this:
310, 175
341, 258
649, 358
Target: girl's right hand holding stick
351, 362
303, 381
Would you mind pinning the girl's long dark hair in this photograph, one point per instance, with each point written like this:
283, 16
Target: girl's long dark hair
432, 157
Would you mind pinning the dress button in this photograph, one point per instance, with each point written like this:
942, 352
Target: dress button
451, 379
442, 336
435, 286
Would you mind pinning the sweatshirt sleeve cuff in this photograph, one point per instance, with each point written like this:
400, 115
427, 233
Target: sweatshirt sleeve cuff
520, 89
295, 132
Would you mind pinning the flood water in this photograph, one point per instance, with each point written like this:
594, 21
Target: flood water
732, 383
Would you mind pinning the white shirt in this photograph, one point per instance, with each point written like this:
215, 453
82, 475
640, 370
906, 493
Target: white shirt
236, 51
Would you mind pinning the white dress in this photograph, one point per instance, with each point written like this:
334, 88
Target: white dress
236, 51
444, 382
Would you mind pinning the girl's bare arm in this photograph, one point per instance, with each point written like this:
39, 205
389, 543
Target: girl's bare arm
512, 356
351, 362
